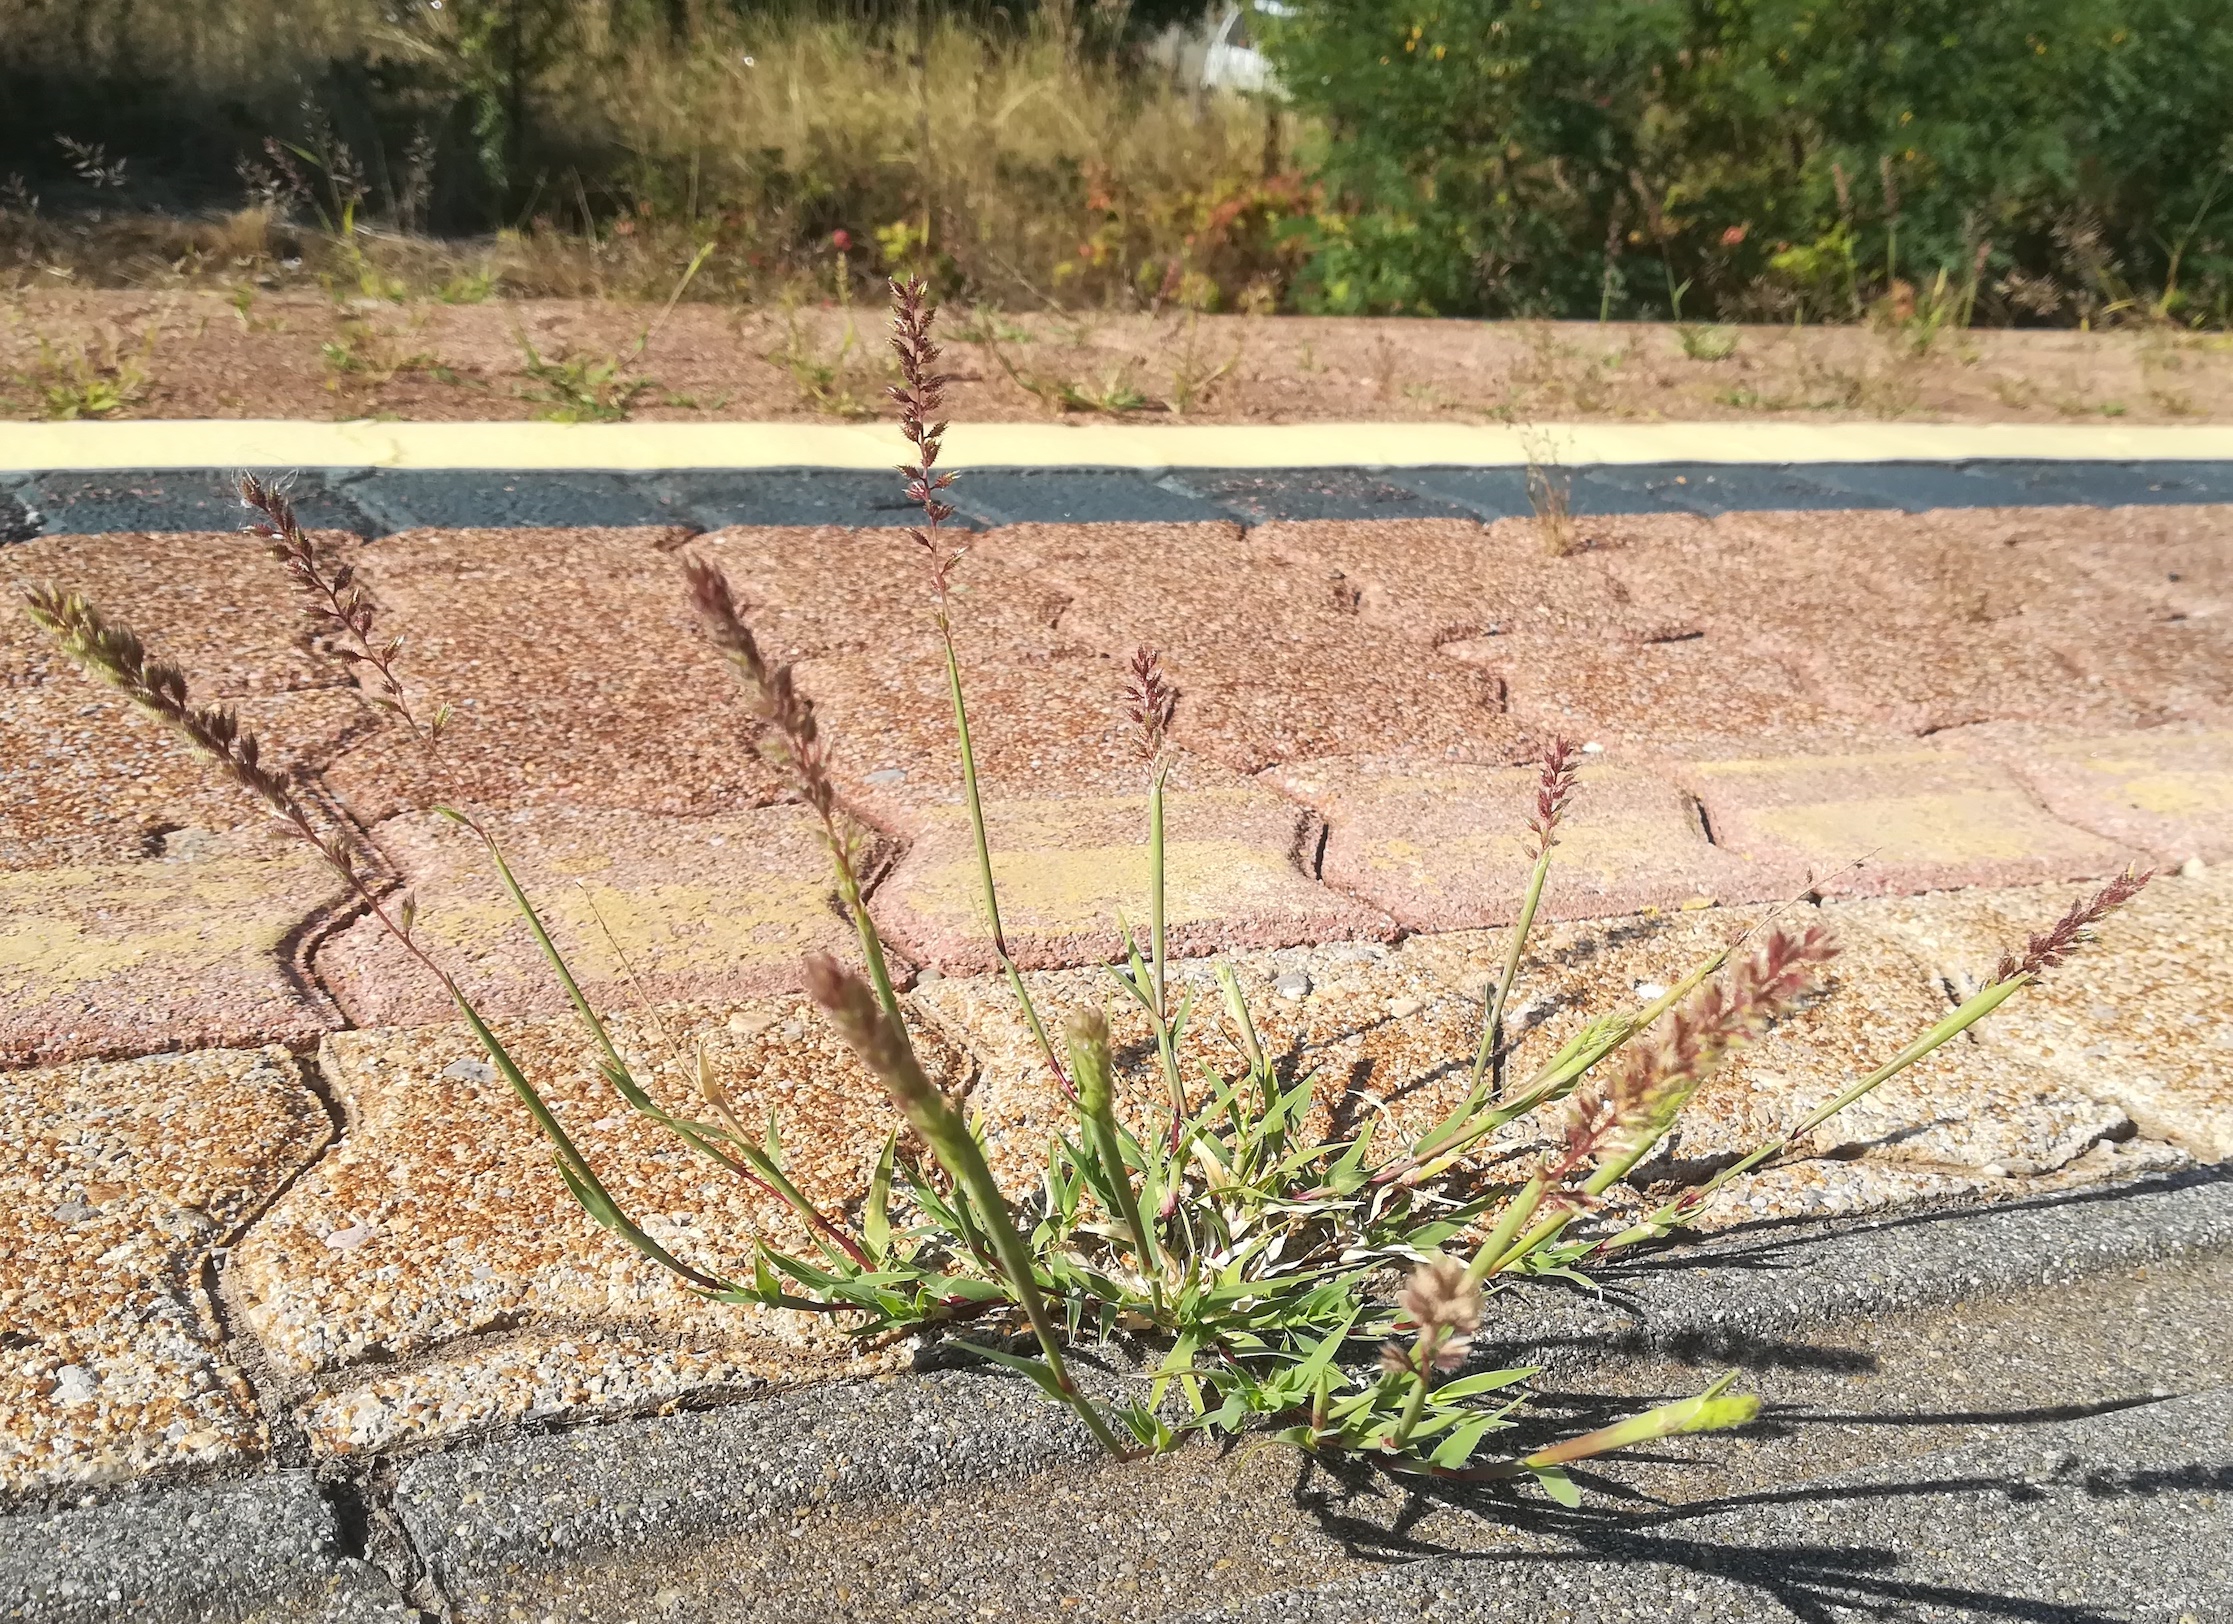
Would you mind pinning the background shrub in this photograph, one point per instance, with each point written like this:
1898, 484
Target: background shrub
2069, 158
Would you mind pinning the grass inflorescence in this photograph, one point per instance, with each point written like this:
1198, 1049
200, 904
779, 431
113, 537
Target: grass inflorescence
1259, 1274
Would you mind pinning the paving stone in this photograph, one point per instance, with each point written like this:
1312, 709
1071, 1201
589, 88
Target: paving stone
1272, 660
1964, 1114
85, 776
439, 1216
1067, 870
557, 1377
116, 1180
2138, 1018
203, 949
1919, 487
400, 499
2165, 791
267, 1550
854, 611
1972, 617
1385, 1035
1076, 496
1713, 488
1704, 692
1447, 583
1913, 820
1261, 495
1445, 847
216, 603
2094, 484
578, 675
703, 910
2175, 557
2091, 589
715, 499
154, 501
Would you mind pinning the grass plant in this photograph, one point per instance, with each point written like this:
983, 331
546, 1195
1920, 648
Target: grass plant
1255, 1275
70, 379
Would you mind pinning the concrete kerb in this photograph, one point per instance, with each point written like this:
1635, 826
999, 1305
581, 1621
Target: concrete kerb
875, 447
489, 1517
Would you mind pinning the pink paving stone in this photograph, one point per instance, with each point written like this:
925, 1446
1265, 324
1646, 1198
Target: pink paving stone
1445, 847
2140, 648
216, 603
1068, 869
1439, 581
205, 948
86, 777
1913, 820
854, 610
1714, 690
2167, 791
1924, 623
702, 909
577, 672
1273, 658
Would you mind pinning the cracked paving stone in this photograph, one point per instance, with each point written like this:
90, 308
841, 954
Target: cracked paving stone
1884, 821
2137, 1017
702, 909
200, 949
439, 1217
116, 1181
1445, 846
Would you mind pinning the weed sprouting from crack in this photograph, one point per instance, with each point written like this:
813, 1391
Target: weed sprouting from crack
1318, 1291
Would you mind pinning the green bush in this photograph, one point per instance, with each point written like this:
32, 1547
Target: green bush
2045, 159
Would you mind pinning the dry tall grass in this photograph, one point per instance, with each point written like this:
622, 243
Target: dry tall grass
808, 145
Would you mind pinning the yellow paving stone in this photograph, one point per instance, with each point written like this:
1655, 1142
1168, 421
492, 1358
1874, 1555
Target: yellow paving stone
116, 1180
1891, 821
1446, 846
439, 1215
1068, 869
2139, 1018
2166, 791
135, 957
704, 909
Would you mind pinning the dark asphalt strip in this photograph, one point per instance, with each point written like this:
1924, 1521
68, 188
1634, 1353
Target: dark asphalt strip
374, 502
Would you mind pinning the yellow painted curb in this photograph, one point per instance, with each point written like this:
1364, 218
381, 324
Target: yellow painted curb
210, 443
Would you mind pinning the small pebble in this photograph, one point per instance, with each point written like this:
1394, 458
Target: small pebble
1294, 984
348, 1240
887, 775
1402, 1007
73, 1385
469, 1071
2193, 869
